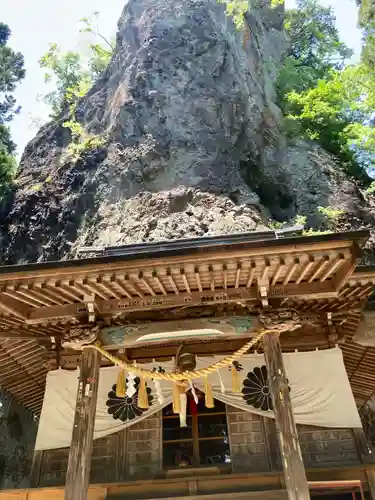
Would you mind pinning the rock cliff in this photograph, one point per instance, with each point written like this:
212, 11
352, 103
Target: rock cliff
194, 142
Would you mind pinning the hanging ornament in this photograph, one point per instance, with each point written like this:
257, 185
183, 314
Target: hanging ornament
222, 386
130, 387
193, 407
158, 392
209, 399
121, 384
176, 400
157, 385
193, 392
236, 382
183, 405
142, 394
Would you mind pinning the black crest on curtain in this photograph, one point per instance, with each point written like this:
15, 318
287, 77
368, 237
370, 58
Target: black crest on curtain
126, 408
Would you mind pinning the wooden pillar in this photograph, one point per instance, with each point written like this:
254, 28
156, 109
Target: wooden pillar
290, 451
78, 473
367, 455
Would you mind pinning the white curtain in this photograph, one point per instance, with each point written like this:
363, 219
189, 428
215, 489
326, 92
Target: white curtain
319, 388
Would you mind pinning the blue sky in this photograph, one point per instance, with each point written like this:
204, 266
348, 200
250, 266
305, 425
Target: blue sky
35, 23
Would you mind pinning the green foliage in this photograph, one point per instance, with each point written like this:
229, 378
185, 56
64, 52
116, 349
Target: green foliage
328, 218
331, 214
36, 187
72, 79
73, 73
8, 167
371, 188
11, 72
320, 97
366, 20
300, 220
314, 232
75, 128
314, 38
314, 49
77, 149
82, 141
333, 112
238, 8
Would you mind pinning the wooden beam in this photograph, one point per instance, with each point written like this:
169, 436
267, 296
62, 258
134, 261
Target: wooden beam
219, 296
291, 271
146, 284
279, 270
77, 476
251, 274
12, 306
346, 272
291, 457
185, 280
338, 263
322, 264
121, 286
19, 335
306, 269
173, 283
198, 278
159, 282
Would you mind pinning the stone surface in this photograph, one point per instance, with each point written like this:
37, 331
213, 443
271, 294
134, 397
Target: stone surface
17, 437
195, 143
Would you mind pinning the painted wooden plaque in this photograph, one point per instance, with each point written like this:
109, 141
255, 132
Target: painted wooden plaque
179, 330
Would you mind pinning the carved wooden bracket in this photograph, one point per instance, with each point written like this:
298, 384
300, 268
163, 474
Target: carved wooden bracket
78, 337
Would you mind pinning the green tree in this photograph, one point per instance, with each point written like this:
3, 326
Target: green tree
366, 20
237, 8
11, 72
72, 72
334, 113
314, 48
70, 77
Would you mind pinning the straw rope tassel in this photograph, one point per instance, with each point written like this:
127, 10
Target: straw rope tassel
236, 383
209, 399
222, 386
121, 384
183, 403
176, 400
142, 394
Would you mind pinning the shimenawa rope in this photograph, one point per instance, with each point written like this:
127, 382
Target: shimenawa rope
148, 374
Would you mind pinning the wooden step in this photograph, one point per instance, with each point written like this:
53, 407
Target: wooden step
248, 495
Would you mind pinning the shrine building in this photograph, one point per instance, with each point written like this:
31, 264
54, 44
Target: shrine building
216, 368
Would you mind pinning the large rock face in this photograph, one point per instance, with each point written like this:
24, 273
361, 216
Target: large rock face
194, 145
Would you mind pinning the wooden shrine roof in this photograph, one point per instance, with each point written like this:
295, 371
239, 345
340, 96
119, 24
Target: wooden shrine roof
313, 275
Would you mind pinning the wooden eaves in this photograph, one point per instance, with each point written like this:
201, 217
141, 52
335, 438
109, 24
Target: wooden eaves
40, 302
